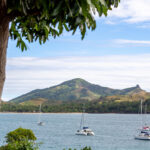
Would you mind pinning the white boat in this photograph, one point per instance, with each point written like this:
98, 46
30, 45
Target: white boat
81, 132
144, 132
40, 123
85, 131
143, 136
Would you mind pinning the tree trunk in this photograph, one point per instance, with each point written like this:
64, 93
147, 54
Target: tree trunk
4, 33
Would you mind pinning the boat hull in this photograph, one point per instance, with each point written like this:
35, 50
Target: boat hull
142, 137
41, 123
81, 133
90, 134
85, 133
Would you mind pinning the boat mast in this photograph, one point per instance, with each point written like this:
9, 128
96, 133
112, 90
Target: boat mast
145, 116
40, 113
83, 114
82, 118
141, 112
141, 106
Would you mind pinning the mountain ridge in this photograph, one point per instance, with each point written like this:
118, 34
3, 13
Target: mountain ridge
75, 89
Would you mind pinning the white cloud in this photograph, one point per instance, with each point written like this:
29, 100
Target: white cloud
132, 11
144, 26
132, 42
26, 74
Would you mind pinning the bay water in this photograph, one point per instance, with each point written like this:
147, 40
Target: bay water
112, 131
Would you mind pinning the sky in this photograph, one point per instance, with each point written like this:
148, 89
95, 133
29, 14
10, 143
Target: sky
116, 54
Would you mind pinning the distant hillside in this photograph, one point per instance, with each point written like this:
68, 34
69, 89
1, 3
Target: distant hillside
132, 97
76, 89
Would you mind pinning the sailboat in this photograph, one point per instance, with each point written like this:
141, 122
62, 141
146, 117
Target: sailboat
40, 123
144, 132
84, 130
145, 127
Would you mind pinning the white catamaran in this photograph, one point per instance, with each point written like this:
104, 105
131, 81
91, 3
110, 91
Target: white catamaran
40, 123
144, 132
83, 129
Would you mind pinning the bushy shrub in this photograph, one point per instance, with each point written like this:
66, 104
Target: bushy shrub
20, 139
20, 134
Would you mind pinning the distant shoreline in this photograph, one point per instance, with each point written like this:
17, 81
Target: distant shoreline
42, 113
58, 113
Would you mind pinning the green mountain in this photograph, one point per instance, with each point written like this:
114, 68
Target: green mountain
76, 89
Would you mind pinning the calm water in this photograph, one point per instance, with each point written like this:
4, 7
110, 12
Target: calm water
113, 131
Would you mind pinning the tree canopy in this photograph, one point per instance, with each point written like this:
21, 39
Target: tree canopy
20, 134
37, 20
20, 139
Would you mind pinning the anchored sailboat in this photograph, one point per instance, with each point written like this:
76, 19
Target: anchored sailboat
84, 130
40, 123
144, 132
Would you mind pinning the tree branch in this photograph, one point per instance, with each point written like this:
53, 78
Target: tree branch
16, 13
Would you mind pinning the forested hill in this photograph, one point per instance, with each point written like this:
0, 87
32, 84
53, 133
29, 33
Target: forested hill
76, 89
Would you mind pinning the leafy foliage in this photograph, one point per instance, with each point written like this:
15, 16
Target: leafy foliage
19, 135
20, 139
86, 148
23, 145
37, 20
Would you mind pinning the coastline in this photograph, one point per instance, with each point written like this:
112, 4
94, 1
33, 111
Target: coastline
42, 113
58, 113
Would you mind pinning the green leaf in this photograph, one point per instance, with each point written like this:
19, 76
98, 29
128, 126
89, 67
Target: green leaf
29, 37
37, 20
60, 27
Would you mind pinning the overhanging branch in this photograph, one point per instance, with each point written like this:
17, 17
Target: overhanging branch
16, 13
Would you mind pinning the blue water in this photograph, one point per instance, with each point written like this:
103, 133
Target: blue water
112, 131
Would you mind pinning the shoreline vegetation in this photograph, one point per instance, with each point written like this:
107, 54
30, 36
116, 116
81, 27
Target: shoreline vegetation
8, 112
99, 107
59, 113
